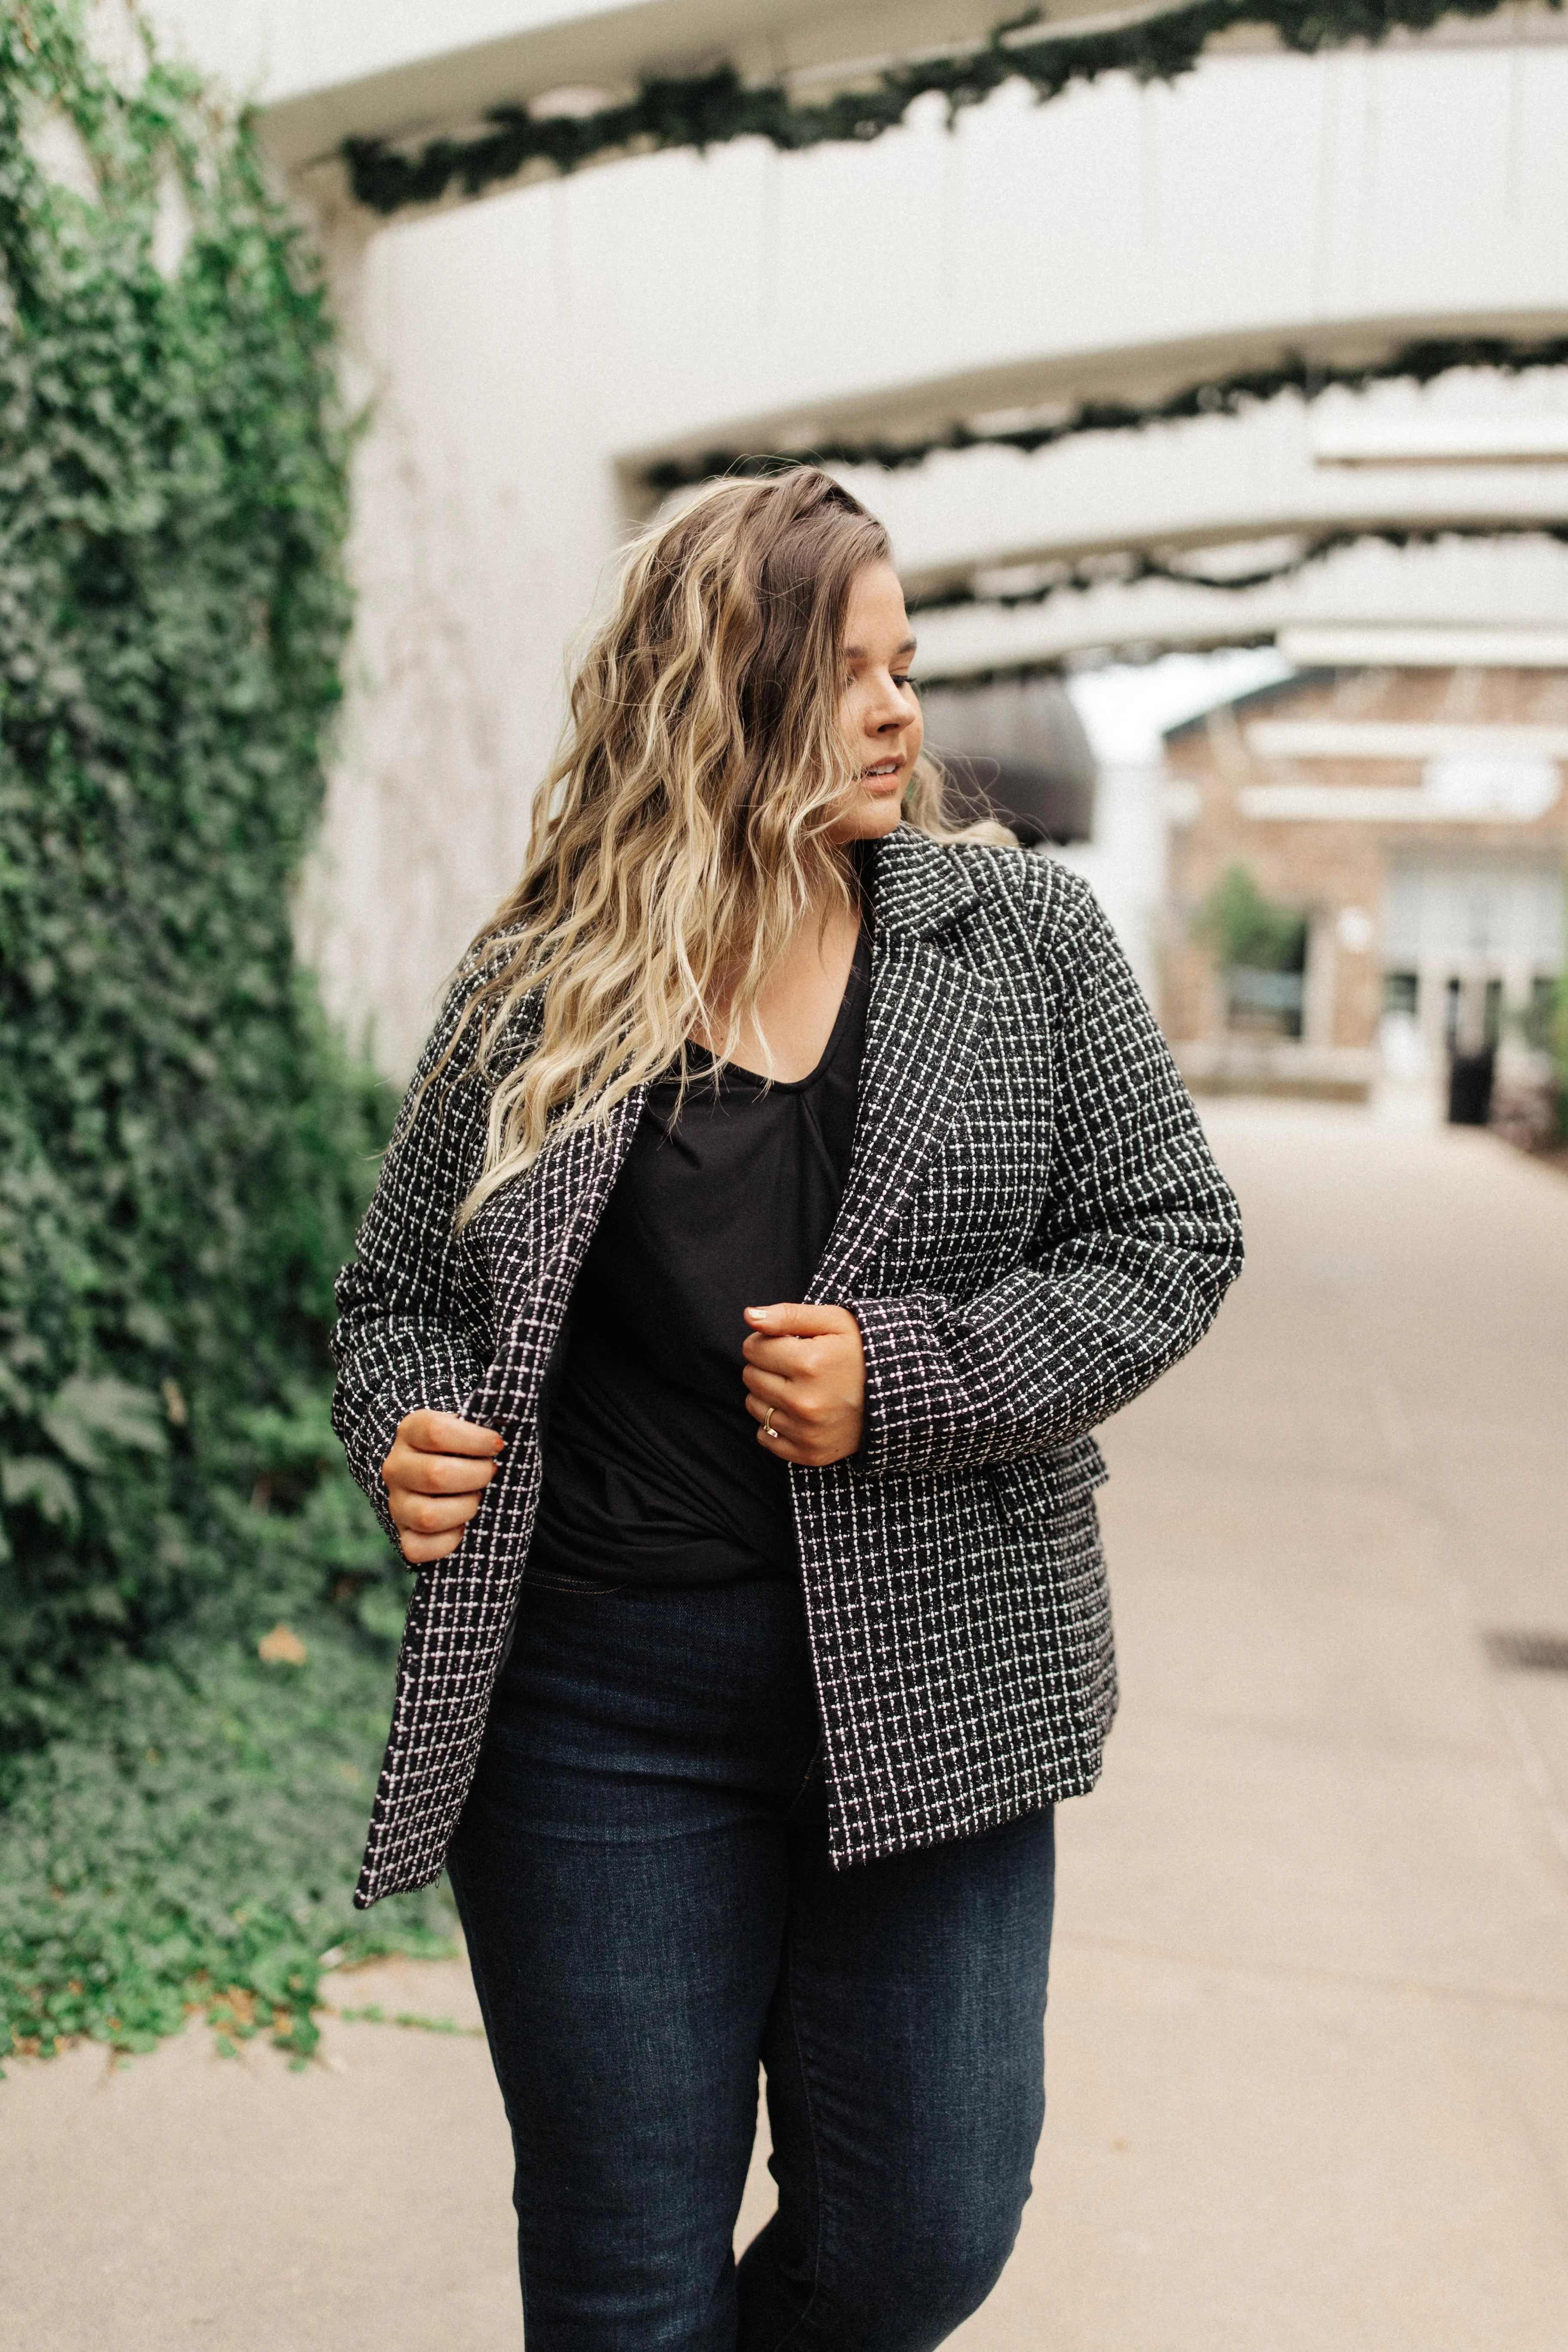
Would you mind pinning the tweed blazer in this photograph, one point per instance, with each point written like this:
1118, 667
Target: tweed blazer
1032, 1230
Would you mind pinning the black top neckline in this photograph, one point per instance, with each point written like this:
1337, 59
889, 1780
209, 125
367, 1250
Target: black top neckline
728, 1194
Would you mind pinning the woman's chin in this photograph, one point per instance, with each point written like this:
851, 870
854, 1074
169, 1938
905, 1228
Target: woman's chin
870, 817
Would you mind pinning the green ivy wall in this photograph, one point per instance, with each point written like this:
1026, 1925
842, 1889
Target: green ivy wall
184, 1147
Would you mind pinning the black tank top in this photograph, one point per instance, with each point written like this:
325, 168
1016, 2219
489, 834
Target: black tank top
652, 1472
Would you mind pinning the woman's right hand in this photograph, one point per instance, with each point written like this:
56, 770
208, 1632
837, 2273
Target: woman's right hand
434, 1474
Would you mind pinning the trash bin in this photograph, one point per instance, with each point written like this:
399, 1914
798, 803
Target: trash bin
1470, 1086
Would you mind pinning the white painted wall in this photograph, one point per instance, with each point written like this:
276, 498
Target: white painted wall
484, 523
1125, 863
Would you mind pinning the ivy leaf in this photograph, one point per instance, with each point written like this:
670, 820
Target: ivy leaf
88, 1413
34, 1479
147, 1323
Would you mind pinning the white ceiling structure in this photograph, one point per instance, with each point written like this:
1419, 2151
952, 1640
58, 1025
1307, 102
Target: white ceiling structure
392, 68
527, 355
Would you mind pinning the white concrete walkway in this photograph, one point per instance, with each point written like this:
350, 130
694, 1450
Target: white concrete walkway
1309, 2041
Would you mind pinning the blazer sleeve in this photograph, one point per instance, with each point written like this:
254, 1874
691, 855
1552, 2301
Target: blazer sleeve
414, 1326
1139, 1241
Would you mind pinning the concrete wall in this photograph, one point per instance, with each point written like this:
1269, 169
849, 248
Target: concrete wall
484, 523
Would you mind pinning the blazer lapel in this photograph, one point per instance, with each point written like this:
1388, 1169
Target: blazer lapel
540, 1233
927, 1017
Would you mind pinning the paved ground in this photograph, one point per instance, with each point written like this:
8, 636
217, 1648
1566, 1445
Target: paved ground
1309, 2041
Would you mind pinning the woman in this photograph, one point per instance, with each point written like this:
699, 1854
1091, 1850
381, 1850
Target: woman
787, 1190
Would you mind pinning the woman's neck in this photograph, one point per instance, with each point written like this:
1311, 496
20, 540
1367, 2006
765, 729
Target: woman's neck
797, 1008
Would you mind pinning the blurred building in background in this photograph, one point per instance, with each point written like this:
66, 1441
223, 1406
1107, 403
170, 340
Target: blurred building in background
1412, 821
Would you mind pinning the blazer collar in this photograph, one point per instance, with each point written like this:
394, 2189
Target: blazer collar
927, 1019
918, 885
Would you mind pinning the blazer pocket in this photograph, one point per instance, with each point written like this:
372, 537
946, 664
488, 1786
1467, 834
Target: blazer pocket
1046, 1486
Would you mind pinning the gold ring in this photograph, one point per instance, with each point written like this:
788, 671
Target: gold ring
768, 1429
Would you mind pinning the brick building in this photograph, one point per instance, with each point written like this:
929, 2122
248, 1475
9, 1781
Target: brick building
1415, 819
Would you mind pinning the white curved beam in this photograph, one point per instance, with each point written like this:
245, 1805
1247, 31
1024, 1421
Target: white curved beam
1483, 590
324, 73
1118, 244
1220, 482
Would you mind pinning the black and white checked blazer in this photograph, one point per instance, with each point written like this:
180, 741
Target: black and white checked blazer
1032, 1231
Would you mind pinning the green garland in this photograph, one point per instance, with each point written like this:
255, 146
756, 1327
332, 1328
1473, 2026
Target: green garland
1130, 567
1415, 363
1058, 665
707, 110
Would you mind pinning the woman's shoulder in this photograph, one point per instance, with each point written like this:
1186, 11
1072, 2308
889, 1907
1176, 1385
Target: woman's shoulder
476, 1001
1060, 910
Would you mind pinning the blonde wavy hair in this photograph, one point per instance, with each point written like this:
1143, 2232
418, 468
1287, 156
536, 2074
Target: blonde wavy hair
681, 833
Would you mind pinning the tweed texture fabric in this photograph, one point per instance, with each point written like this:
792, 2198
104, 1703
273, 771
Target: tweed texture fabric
1032, 1231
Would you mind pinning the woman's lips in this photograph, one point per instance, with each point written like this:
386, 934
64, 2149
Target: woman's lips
880, 780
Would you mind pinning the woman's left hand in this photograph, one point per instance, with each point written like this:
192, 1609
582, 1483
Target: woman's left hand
806, 1371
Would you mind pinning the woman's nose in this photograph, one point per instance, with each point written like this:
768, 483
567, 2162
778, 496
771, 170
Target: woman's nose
891, 707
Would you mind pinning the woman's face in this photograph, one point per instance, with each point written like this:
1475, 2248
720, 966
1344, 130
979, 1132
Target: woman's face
880, 714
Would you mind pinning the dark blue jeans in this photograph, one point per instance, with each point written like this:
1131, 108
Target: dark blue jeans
643, 1876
